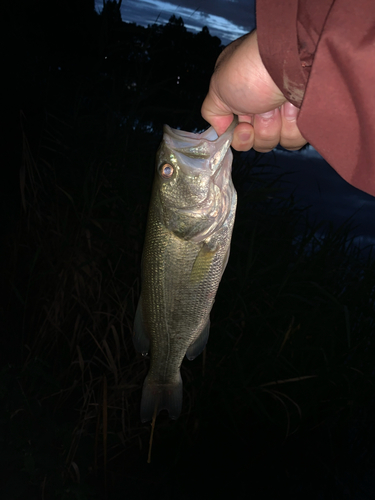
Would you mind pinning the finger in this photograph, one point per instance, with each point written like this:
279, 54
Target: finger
267, 130
243, 137
216, 113
290, 137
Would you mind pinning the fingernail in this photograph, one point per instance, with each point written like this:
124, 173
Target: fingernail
244, 137
290, 111
268, 115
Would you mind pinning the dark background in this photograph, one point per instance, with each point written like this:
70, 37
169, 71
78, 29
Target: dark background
281, 403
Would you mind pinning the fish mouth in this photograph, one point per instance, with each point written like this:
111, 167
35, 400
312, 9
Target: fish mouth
186, 138
200, 151
209, 134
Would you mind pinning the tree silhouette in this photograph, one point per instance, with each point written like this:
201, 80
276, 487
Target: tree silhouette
73, 60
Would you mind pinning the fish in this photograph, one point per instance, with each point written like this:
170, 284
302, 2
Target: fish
186, 249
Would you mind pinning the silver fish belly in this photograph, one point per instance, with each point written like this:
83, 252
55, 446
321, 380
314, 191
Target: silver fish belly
186, 250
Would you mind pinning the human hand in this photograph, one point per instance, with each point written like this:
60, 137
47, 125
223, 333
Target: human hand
241, 85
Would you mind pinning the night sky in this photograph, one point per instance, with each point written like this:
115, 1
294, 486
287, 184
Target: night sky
226, 19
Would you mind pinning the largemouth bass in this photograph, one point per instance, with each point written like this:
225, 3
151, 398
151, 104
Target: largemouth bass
186, 250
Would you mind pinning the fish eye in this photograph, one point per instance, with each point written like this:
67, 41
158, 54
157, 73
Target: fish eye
166, 171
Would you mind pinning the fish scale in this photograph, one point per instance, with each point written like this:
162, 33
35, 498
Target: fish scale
189, 228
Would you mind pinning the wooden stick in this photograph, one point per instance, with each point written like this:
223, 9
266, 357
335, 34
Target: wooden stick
152, 434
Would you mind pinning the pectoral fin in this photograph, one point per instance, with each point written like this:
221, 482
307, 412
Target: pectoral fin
202, 265
199, 344
140, 339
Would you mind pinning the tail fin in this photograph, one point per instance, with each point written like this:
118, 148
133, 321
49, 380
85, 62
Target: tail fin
162, 396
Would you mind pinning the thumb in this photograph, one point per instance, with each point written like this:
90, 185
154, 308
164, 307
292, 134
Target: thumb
216, 113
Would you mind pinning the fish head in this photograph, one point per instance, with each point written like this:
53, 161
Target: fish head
193, 181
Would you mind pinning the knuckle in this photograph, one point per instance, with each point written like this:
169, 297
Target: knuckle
292, 139
291, 136
264, 146
266, 140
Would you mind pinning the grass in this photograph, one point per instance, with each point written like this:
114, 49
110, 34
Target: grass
290, 351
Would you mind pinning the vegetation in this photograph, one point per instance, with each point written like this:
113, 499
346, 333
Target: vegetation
283, 396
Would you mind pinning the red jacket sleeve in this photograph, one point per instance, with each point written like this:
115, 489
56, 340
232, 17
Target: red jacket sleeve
321, 55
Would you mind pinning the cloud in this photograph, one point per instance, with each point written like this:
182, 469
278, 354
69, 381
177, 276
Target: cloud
227, 19
240, 13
